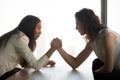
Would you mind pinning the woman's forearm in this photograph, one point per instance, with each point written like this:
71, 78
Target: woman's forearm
68, 58
74, 62
50, 52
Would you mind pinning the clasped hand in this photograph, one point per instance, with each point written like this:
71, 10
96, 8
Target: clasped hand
56, 43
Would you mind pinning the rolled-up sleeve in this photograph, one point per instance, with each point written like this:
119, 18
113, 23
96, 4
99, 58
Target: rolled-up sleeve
21, 46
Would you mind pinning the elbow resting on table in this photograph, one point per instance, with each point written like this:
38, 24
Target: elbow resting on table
75, 66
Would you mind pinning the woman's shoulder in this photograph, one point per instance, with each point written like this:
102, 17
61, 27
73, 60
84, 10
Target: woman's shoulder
20, 35
23, 36
105, 31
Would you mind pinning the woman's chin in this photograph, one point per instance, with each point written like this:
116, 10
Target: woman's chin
37, 37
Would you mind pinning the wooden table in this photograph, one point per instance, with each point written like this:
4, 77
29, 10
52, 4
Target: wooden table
53, 73
26, 74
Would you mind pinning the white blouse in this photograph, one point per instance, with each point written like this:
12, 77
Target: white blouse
16, 49
97, 46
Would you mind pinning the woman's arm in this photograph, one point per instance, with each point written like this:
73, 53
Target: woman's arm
22, 48
24, 63
108, 43
74, 62
50, 52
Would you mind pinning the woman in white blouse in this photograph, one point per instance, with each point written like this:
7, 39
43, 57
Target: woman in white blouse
18, 45
103, 41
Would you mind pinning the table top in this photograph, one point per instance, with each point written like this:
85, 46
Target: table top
53, 73
26, 74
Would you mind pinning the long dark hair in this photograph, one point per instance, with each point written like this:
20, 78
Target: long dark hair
90, 22
27, 26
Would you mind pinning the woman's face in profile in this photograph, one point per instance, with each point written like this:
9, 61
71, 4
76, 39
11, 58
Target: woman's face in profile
37, 31
80, 27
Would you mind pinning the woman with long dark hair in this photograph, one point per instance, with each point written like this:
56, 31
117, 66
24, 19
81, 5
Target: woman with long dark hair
103, 41
17, 46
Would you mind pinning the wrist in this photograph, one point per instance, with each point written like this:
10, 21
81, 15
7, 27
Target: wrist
60, 49
53, 48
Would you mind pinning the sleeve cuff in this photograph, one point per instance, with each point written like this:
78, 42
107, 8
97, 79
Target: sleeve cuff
43, 61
